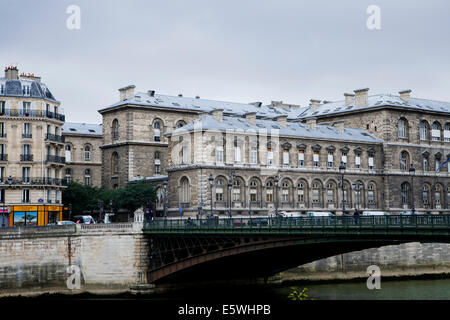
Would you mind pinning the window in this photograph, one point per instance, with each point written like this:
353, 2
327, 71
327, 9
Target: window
185, 154
115, 163
26, 174
68, 153
56, 196
185, 190
404, 161
330, 160
2, 107
219, 154
87, 153
286, 157
344, 158
371, 194
236, 190
402, 128
87, 177
237, 154
425, 195
269, 191
425, 163
301, 158
219, 190
269, 157
25, 195
49, 196
358, 161
316, 158
447, 132
330, 193
404, 191
437, 195
69, 175
253, 155
2, 130
157, 162
437, 164
423, 130
180, 124
315, 195
2, 88
285, 191
115, 129
253, 191
26, 108
301, 193
26, 90
2, 174
157, 131
371, 162
436, 131
26, 133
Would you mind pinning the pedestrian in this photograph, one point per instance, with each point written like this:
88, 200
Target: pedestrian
356, 215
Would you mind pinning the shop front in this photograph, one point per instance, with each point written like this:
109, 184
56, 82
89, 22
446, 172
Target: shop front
39, 215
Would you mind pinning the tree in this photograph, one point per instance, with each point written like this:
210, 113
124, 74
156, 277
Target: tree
81, 197
136, 195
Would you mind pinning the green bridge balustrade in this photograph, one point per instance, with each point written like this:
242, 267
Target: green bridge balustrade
389, 224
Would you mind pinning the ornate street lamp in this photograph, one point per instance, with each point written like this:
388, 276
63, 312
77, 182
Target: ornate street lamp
165, 197
275, 180
211, 182
342, 172
412, 172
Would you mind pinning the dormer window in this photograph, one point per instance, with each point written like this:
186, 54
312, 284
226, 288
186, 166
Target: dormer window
2, 88
26, 90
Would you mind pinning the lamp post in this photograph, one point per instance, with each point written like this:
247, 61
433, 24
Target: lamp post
211, 182
412, 172
165, 197
275, 180
230, 184
342, 172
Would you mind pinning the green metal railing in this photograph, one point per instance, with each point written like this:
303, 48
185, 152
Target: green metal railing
390, 222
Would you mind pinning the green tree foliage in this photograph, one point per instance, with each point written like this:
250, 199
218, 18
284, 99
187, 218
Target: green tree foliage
85, 198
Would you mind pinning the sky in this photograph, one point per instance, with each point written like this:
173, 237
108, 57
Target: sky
241, 51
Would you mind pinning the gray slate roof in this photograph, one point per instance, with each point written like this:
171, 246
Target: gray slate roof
206, 105
82, 128
377, 101
37, 89
294, 129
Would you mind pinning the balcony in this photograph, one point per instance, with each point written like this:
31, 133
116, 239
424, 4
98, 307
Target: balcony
55, 159
32, 114
26, 157
34, 181
2, 135
27, 135
3, 157
54, 138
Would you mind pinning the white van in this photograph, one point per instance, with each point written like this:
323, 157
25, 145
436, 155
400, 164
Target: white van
83, 219
374, 213
319, 214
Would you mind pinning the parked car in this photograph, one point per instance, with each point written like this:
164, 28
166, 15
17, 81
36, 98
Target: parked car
258, 222
319, 214
84, 219
238, 223
374, 213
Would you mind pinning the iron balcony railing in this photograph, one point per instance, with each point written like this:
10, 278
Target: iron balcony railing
2, 135
55, 159
34, 181
373, 224
3, 157
54, 138
27, 135
26, 157
32, 114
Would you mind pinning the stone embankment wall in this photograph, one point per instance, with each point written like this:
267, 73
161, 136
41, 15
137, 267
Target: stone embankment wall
110, 257
409, 259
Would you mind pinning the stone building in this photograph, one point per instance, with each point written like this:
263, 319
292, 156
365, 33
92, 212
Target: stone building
31, 150
82, 144
137, 144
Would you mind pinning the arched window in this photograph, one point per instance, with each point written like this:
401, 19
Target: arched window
115, 129
87, 177
115, 163
316, 192
237, 190
371, 193
301, 192
424, 129
404, 191
180, 124
68, 153
404, 161
436, 131
87, 153
437, 194
285, 186
426, 195
185, 193
219, 190
330, 192
157, 131
402, 128
269, 191
253, 191
447, 132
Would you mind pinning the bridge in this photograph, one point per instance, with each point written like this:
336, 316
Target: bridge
232, 248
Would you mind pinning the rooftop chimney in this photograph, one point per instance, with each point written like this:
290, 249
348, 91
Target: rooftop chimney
311, 123
151, 93
126, 92
251, 117
30, 76
405, 95
256, 104
348, 98
11, 73
217, 114
314, 104
282, 120
339, 125
362, 97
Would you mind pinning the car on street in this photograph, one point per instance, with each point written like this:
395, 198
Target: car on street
63, 223
83, 219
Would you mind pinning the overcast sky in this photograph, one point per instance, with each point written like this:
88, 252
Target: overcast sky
241, 51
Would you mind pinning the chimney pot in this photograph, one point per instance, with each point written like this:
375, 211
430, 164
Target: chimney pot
11, 73
361, 97
348, 98
126, 92
405, 95
251, 117
311, 123
339, 126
